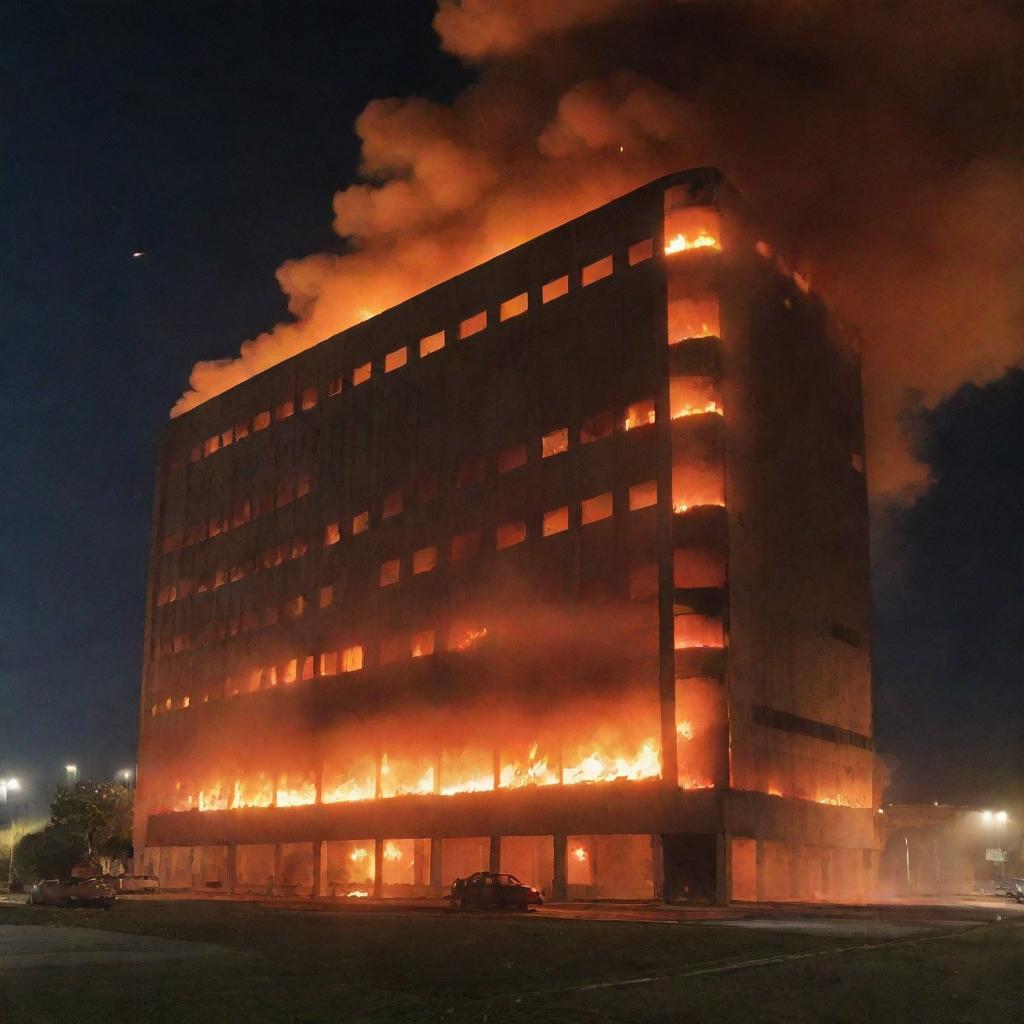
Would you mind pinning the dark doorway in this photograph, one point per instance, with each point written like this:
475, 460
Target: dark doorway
690, 866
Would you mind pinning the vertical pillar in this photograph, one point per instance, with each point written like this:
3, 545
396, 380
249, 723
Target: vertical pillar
796, 871
275, 879
378, 866
231, 870
759, 860
495, 857
560, 885
723, 868
662, 881
435, 867
317, 845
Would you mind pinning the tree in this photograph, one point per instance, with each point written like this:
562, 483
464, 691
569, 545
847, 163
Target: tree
98, 815
51, 853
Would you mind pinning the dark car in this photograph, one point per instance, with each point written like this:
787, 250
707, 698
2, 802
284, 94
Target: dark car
485, 889
75, 892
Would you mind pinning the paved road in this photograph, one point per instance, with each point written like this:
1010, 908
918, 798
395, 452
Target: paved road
35, 946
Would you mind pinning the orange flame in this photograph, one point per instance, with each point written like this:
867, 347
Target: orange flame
681, 243
600, 767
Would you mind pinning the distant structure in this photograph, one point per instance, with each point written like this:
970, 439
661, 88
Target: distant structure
559, 568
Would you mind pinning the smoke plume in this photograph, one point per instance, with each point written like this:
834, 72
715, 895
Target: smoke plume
879, 142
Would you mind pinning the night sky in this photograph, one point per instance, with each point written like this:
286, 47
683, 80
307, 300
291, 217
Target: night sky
213, 140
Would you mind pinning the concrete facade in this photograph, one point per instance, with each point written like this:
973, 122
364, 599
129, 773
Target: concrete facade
559, 567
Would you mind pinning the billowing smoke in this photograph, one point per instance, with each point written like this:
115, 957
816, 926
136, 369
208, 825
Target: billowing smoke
879, 141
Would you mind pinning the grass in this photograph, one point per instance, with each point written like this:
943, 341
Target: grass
299, 968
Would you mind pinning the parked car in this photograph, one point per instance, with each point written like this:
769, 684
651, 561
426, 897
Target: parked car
490, 889
1015, 889
133, 883
75, 892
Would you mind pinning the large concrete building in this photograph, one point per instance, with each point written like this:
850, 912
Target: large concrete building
558, 568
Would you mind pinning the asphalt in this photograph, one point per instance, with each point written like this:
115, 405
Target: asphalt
34, 946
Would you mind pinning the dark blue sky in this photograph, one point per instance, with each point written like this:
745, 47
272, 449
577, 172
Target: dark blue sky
213, 139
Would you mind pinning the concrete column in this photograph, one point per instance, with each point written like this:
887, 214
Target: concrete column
662, 883
495, 858
796, 864
435, 867
759, 858
378, 865
317, 844
232, 868
560, 883
275, 878
723, 868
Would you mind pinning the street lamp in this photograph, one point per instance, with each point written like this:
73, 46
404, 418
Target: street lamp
72, 772
10, 786
126, 774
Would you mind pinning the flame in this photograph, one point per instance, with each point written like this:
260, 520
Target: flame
359, 894
477, 784
359, 854
258, 794
637, 419
297, 796
600, 767
681, 506
685, 730
536, 772
391, 851
697, 409
580, 854
681, 243
469, 638
348, 791
419, 787
691, 782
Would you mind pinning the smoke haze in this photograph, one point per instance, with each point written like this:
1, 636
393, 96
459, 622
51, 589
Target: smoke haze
878, 142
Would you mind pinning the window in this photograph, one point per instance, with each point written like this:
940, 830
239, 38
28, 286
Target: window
693, 396
361, 374
395, 360
471, 471
473, 325
261, 421
307, 667
360, 522
639, 414
597, 508
512, 458
295, 607
389, 572
465, 544
511, 533
426, 490
291, 670
285, 493
556, 521
596, 271
285, 409
310, 396
304, 485
857, 461
515, 306
352, 659
196, 454
329, 663
692, 318
555, 289
391, 649
326, 596
424, 560
241, 430
597, 427
640, 251
211, 444
332, 534
689, 227
432, 343
643, 581
227, 437
391, 505
643, 495
422, 643
334, 387
555, 443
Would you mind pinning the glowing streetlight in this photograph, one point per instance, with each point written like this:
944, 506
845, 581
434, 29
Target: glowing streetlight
126, 774
72, 772
986, 816
9, 786
1001, 817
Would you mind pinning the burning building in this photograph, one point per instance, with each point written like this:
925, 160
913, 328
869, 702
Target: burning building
559, 568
